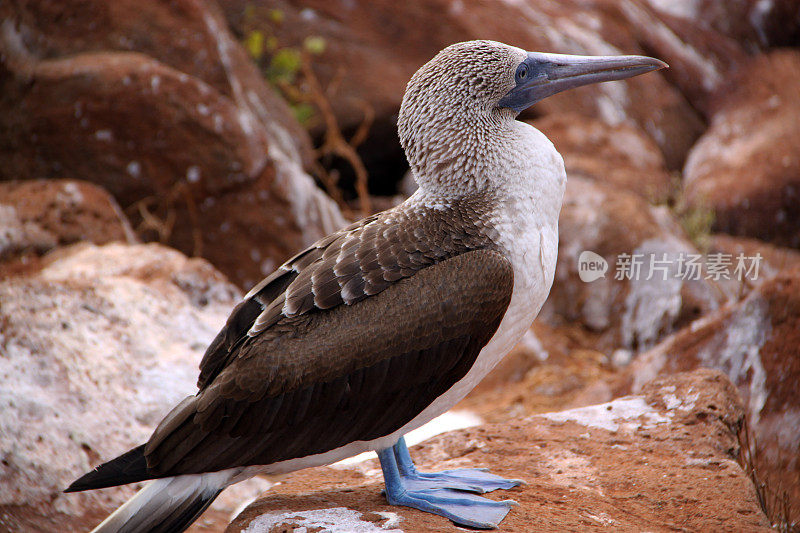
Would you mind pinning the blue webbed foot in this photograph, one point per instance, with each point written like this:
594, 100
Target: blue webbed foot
443, 493
463, 508
477, 480
465, 479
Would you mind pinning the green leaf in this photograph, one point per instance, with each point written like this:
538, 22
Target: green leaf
314, 44
276, 16
284, 65
254, 43
303, 112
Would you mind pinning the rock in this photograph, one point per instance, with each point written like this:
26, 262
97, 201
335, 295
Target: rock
37, 216
626, 310
755, 342
663, 459
704, 41
619, 155
200, 162
775, 258
746, 168
700, 55
550, 369
189, 36
374, 47
96, 348
755, 25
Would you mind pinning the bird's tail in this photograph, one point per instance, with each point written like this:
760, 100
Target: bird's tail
167, 505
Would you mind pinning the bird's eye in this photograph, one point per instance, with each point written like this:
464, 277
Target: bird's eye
522, 72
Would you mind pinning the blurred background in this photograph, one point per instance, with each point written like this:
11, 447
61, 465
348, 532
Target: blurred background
157, 158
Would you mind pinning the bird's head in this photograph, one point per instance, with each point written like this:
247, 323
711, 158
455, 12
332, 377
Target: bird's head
472, 88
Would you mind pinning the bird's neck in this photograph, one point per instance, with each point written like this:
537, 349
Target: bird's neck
464, 155
451, 153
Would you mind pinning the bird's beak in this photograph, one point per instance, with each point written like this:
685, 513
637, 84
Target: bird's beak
548, 74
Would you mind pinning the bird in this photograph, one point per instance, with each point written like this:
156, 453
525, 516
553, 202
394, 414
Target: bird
386, 324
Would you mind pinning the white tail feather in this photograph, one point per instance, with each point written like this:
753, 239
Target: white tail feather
166, 505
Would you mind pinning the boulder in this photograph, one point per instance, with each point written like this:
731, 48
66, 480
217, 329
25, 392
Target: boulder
551, 368
746, 168
666, 458
755, 25
705, 40
97, 347
373, 48
619, 155
700, 56
774, 259
189, 36
197, 155
37, 216
626, 308
755, 342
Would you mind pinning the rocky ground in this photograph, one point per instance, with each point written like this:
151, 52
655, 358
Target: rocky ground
158, 158
663, 460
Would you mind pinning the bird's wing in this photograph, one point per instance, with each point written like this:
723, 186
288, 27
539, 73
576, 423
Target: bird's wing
344, 268
267, 298
312, 382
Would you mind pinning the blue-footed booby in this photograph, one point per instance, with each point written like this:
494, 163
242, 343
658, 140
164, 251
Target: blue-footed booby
382, 326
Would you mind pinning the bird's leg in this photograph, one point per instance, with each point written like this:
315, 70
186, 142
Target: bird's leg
470, 479
461, 507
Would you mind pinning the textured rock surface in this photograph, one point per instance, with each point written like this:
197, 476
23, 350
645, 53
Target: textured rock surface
378, 45
629, 313
187, 35
94, 350
775, 258
550, 369
755, 24
756, 342
163, 109
37, 216
662, 460
746, 167
621, 155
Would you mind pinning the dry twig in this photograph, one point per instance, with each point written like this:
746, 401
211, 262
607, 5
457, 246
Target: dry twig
334, 143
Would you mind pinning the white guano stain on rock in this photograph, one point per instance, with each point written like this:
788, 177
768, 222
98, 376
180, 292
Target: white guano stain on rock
740, 354
629, 413
97, 347
334, 520
652, 305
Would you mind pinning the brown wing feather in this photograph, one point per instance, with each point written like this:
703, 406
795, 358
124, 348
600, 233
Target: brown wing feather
348, 266
314, 382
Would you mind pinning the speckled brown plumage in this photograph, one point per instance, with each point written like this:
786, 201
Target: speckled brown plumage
309, 362
358, 261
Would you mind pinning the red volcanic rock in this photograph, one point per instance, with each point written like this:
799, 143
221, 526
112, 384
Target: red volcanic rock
189, 36
753, 24
775, 258
377, 46
550, 369
620, 155
209, 169
756, 342
625, 308
665, 459
746, 167
37, 216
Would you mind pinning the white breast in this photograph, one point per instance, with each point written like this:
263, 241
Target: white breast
528, 229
